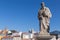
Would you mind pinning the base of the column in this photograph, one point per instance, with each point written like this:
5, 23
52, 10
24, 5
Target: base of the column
44, 37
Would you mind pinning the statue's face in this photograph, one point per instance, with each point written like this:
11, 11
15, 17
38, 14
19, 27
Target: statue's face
42, 4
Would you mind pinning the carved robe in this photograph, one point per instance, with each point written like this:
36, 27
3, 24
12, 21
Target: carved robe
44, 16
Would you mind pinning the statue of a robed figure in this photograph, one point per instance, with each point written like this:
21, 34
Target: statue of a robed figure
44, 16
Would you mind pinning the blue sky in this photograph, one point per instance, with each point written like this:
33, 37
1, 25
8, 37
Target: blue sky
21, 15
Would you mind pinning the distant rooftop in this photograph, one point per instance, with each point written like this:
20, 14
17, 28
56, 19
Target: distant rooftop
55, 32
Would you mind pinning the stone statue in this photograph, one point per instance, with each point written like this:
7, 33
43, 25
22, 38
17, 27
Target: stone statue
44, 16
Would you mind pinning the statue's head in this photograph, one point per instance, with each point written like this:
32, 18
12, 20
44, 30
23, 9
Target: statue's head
42, 4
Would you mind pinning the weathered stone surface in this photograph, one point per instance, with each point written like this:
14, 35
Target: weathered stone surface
44, 16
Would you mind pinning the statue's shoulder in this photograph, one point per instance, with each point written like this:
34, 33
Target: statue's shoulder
46, 8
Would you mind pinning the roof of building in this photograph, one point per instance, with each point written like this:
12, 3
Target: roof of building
55, 32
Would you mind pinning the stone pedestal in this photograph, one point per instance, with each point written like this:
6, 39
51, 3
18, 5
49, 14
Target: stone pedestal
44, 36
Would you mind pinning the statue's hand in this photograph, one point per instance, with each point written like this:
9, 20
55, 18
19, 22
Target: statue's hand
45, 14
